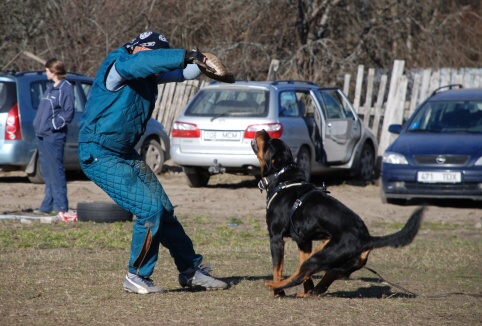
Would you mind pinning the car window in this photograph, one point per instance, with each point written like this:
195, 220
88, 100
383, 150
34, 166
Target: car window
337, 106
333, 106
77, 98
8, 96
242, 103
290, 104
86, 88
305, 101
36, 91
448, 116
80, 94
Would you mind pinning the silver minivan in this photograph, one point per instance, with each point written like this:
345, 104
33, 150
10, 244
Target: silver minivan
214, 131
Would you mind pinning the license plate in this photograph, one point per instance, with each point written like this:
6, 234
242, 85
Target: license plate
214, 135
439, 177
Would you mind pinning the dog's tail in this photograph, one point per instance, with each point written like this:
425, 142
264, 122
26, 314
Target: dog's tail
401, 238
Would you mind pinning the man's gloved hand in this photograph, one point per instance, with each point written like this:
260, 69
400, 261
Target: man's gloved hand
210, 65
195, 56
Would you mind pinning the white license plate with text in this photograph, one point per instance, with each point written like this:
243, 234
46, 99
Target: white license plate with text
439, 177
214, 135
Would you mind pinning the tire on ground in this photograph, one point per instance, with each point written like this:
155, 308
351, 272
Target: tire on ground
102, 212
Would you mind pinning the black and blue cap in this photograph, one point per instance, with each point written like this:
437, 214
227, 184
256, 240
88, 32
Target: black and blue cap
151, 40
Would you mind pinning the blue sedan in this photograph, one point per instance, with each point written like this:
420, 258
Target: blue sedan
438, 151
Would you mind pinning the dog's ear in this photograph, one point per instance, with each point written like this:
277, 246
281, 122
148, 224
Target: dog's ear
280, 155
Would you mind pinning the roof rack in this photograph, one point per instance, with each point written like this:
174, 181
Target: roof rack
8, 72
451, 86
290, 81
38, 72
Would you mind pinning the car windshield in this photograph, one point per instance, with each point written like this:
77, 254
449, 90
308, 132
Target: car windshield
221, 103
448, 116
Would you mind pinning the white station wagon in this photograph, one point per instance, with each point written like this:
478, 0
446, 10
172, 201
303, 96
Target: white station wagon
214, 132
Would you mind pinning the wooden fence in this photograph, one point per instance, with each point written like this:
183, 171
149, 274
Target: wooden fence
379, 109
172, 98
405, 93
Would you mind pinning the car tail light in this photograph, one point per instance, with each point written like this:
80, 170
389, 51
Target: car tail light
12, 127
274, 130
185, 130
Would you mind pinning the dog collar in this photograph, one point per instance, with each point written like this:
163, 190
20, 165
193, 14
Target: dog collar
265, 181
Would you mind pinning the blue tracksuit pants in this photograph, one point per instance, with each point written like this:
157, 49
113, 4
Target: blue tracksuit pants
51, 151
129, 181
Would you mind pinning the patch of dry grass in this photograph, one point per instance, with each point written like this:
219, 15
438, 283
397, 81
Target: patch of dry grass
72, 275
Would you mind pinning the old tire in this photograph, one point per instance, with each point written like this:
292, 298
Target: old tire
102, 212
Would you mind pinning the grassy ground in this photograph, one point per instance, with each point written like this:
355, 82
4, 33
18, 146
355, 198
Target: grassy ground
71, 274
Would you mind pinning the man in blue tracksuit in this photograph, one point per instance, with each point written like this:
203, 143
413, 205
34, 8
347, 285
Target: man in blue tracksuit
120, 103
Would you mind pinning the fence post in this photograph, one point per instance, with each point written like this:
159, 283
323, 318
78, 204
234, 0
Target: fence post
391, 106
273, 69
346, 85
415, 94
358, 88
379, 105
367, 107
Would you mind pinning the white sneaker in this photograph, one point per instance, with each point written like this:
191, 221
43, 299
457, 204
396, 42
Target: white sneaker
140, 285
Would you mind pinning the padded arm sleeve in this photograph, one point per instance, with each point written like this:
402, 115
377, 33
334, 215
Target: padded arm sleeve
146, 63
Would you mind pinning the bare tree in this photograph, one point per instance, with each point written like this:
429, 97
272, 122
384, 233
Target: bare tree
319, 40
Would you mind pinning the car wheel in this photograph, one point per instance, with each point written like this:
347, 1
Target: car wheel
102, 212
196, 177
153, 154
366, 164
303, 161
36, 176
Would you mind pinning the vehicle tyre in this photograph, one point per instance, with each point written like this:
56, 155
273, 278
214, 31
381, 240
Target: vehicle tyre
196, 177
303, 161
366, 164
36, 177
153, 154
102, 212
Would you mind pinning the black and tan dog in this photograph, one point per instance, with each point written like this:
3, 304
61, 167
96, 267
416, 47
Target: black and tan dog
299, 210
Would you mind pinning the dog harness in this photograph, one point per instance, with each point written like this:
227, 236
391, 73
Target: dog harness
264, 182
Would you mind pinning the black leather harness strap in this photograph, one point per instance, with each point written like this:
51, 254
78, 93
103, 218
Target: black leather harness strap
299, 202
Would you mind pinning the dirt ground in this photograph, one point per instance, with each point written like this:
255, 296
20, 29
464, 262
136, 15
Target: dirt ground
229, 196
79, 286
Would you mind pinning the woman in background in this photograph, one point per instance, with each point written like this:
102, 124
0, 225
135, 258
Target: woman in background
55, 112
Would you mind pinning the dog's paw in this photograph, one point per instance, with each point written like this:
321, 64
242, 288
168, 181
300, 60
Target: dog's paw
279, 294
302, 295
270, 285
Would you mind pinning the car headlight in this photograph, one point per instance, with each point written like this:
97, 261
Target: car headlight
394, 158
479, 161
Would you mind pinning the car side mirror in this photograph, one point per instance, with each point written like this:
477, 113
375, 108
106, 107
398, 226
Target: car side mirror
395, 129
